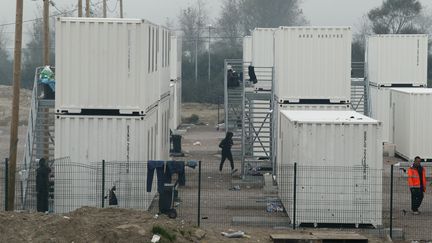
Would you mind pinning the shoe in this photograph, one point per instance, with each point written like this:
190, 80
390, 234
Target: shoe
233, 171
415, 212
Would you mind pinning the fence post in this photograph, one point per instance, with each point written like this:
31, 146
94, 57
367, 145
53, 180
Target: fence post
391, 201
199, 193
103, 183
6, 183
295, 195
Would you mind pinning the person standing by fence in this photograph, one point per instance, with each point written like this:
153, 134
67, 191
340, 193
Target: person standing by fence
417, 184
42, 185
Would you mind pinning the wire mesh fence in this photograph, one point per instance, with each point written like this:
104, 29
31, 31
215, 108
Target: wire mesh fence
299, 196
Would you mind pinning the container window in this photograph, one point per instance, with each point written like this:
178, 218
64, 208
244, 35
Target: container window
148, 145
157, 49
149, 48
153, 50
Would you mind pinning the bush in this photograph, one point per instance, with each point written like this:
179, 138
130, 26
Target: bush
193, 119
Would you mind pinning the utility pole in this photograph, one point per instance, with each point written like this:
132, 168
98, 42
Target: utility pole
87, 8
196, 56
46, 32
15, 104
121, 9
104, 8
209, 61
80, 13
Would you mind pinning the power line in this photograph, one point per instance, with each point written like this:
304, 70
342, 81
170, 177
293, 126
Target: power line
54, 15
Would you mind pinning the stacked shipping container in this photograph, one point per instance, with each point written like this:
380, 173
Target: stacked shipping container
112, 98
393, 61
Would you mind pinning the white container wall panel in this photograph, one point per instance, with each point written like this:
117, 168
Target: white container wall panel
284, 107
176, 53
397, 59
172, 106
247, 49
263, 57
164, 61
105, 64
163, 135
339, 157
125, 142
178, 104
262, 47
247, 56
380, 110
412, 111
313, 63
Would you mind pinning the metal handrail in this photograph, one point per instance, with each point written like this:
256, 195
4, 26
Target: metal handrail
32, 122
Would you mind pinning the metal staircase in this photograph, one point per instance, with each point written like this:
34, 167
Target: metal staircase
234, 108
39, 144
257, 139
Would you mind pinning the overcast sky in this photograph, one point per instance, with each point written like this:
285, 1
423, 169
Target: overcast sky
318, 12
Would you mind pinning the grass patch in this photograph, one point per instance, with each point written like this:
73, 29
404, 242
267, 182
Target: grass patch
164, 233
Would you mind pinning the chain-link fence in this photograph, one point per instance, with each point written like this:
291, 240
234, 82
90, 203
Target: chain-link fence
197, 192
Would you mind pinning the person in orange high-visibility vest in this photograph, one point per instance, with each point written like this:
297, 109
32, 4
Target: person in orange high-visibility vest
417, 184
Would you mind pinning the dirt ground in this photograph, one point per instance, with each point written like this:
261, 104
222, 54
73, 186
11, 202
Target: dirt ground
5, 118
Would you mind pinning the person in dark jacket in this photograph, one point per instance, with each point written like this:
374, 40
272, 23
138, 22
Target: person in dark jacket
226, 145
252, 76
42, 186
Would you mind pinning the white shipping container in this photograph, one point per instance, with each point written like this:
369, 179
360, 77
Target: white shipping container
313, 63
397, 59
87, 140
176, 52
339, 157
412, 111
380, 110
106, 64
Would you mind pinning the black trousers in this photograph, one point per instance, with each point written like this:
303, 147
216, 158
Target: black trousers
226, 155
416, 198
42, 201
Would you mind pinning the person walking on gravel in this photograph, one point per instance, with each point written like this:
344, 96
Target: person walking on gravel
226, 145
417, 184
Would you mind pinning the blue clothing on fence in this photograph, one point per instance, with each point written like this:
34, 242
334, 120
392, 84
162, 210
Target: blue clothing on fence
176, 167
159, 166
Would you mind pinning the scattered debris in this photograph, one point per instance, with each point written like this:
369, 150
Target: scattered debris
235, 188
66, 217
156, 216
197, 143
274, 207
235, 234
200, 234
155, 239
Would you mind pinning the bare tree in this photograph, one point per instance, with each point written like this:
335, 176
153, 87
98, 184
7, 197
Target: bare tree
5, 61
395, 17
